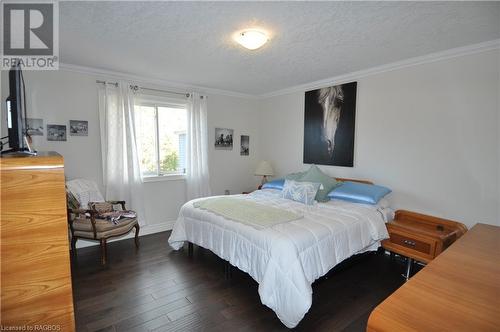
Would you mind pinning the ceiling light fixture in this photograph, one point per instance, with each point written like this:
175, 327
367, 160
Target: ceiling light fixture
251, 38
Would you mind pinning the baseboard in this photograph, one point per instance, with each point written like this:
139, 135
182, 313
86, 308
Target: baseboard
145, 230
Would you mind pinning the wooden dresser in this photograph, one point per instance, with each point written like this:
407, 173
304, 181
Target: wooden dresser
458, 291
35, 267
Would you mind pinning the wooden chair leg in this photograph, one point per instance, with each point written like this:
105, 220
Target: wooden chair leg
137, 228
103, 251
73, 245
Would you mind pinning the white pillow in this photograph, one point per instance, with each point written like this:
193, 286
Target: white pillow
303, 192
85, 191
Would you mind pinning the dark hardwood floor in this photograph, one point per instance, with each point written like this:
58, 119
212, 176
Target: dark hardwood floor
156, 288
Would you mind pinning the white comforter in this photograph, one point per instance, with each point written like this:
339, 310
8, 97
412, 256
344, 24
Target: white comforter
286, 258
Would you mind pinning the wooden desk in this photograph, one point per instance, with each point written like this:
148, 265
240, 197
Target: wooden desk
457, 291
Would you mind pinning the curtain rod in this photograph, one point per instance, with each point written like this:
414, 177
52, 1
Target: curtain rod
136, 88
105, 82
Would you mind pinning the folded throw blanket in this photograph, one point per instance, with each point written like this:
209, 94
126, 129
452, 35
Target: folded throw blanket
116, 216
257, 215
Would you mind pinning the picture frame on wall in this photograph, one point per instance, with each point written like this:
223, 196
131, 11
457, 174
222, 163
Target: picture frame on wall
56, 133
34, 127
78, 128
329, 123
245, 145
224, 139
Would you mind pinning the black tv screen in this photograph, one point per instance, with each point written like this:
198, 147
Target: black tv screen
14, 102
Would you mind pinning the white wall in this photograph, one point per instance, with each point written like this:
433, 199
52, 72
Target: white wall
498, 137
430, 132
58, 96
229, 170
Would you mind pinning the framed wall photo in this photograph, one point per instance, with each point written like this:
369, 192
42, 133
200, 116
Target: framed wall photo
224, 139
56, 132
78, 128
329, 122
35, 127
245, 145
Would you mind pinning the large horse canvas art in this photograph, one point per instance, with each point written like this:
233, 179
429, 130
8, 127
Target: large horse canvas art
329, 117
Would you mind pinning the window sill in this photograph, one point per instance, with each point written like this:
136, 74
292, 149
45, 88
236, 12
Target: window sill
168, 177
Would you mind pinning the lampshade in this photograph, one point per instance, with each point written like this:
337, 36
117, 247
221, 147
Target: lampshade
251, 38
264, 169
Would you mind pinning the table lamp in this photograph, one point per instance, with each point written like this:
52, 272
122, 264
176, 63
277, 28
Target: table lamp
264, 169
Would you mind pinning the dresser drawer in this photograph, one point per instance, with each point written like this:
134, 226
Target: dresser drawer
412, 243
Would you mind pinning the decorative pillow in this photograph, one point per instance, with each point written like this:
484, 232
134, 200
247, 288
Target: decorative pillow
279, 183
314, 174
303, 192
72, 201
294, 176
275, 184
101, 207
85, 191
359, 192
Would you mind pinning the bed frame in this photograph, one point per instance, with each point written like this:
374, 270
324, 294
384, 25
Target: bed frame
227, 265
353, 180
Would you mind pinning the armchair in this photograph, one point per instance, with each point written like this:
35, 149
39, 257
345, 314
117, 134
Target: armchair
85, 216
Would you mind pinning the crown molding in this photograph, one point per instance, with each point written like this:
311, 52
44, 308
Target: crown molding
433, 57
178, 87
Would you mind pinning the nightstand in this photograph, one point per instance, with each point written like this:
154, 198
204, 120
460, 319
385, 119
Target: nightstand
420, 237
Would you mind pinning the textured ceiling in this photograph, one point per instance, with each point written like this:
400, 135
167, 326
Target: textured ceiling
190, 42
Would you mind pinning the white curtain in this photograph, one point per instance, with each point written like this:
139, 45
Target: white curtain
120, 161
197, 176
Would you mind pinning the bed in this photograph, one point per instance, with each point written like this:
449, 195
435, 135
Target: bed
287, 258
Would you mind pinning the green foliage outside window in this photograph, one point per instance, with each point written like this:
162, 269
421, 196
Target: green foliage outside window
158, 130
170, 162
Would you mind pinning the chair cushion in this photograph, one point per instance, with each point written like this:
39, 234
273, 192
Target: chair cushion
83, 227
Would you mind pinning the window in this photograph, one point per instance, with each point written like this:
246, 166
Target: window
161, 137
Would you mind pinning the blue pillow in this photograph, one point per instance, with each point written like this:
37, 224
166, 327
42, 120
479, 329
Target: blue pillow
279, 183
275, 184
359, 192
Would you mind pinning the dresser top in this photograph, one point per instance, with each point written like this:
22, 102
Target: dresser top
457, 291
45, 159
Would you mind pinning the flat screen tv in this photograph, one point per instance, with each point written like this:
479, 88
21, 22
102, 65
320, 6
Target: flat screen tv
15, 106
